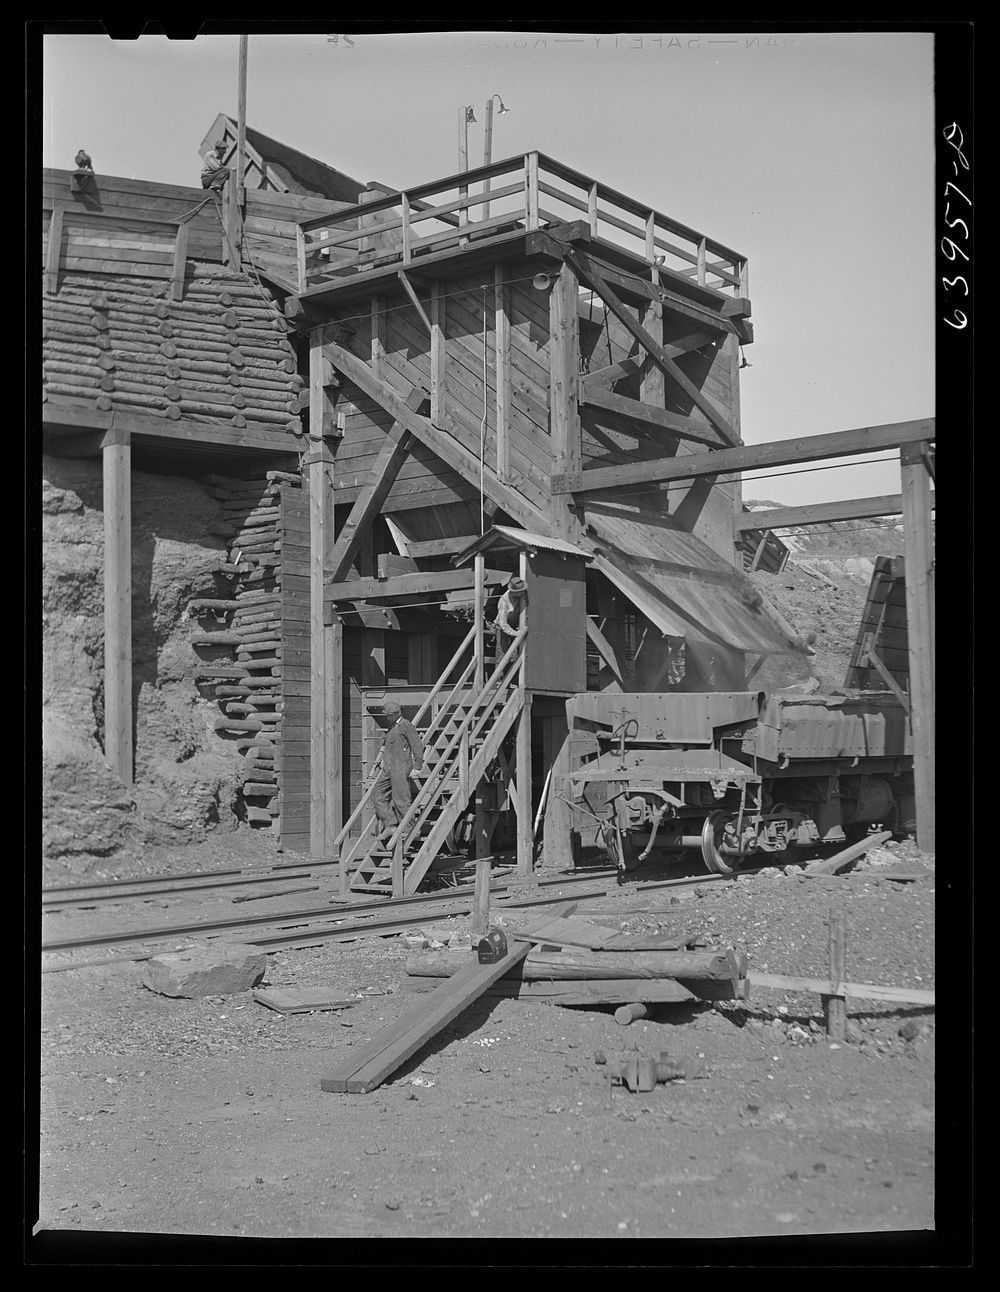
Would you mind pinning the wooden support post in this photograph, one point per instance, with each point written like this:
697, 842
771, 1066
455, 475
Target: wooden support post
116, 454
438, 352
480, 603
397, 869
320, 475
653, 387
835, 1005
333, 635
300, 256
592, 209
481, 900
53, 251
760, 550
531, 191
406, 229
919, 549
378, 336
522, 768
564, 378
179, 269
501, 330
557, 843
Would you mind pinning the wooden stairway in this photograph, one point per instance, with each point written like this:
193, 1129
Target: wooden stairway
461, 740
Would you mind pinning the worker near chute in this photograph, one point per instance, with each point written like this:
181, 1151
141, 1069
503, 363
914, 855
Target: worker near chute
215, 172
402, 755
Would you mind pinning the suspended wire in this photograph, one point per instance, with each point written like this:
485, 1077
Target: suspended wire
482, 431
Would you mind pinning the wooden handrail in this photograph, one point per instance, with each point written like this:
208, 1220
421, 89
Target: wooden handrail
366, 797
432, 788
458, 180
535, 172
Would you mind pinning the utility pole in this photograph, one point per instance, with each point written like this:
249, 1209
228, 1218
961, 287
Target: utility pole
237, 191
488, 144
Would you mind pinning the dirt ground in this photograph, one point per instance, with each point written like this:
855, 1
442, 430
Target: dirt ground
163, 1116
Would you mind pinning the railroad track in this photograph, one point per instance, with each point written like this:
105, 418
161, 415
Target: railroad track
416, 908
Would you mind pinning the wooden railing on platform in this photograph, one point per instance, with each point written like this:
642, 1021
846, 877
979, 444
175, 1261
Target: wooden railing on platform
466, 207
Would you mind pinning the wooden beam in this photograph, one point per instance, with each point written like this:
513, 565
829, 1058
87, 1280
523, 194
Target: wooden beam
333, 638
410, 585
320, 474
919, 550
653, 348
820, 513
603, 378
447, 448
440, 546
641, 289
368, 504
564, 368
775, 453
370, 1066
117, 471
56, 416
53, 251
180, 261
604, 648
687, 428
652, 387
501, 332
417, 305
439, 304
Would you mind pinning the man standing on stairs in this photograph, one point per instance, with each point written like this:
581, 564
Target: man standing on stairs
402, 753
511, 611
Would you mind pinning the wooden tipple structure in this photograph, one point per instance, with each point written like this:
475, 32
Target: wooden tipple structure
400, 400
495, 360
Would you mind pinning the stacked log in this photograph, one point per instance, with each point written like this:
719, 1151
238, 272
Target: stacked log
581, 962
221, 354
247, 622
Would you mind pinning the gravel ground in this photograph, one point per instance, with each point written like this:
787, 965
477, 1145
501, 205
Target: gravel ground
205, 1117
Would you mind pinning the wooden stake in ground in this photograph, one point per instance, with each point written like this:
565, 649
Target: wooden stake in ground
834, 1005
481, 900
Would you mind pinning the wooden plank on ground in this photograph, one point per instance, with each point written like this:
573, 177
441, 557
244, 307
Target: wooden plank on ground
857, 990
299, 1000
384, 1054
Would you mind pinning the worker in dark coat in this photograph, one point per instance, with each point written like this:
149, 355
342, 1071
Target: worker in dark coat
511, 613
402, 754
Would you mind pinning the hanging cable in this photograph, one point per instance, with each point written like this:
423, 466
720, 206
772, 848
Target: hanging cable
482, 431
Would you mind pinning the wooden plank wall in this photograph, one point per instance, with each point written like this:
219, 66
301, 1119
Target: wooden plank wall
143, 206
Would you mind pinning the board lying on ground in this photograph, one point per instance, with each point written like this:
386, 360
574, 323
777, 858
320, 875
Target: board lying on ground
368, 1068
613, 991
298, 1000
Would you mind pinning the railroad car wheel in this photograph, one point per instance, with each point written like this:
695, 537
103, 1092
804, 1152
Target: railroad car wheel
712, 834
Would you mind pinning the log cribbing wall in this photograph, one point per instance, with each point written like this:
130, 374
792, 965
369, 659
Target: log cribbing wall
221, 354
251, 617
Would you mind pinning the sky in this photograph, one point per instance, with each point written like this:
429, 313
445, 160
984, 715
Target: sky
810, 153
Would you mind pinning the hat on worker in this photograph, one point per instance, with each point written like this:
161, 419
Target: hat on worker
391, 706
517, 585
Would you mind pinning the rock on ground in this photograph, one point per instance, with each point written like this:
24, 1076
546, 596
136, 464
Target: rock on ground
223, 969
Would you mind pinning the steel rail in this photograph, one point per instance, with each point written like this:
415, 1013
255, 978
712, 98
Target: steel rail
433, 902
55, 902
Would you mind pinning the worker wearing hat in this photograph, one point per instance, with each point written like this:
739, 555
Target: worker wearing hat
511, 613
215, 172
402, 754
